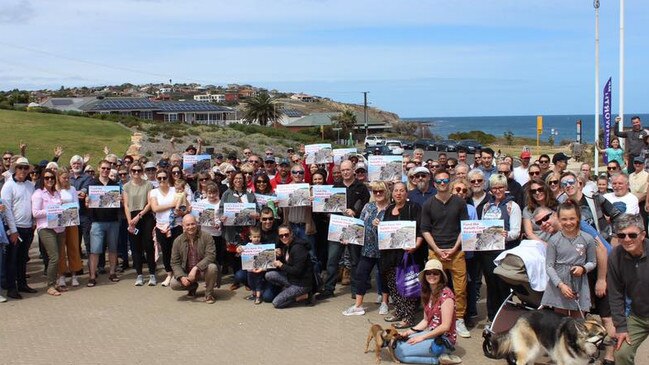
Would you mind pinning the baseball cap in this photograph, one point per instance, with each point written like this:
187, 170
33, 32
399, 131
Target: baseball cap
360, 166
269, 158
638, 159
21, 161
418, 170
560, 157
150, 165
284, 161
526, 154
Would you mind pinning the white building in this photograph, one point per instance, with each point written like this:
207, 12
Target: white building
206, 98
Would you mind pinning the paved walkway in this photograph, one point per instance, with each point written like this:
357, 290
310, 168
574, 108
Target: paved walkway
122, 324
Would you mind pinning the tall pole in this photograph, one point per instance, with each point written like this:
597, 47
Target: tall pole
621, 92
365, 112
596, 164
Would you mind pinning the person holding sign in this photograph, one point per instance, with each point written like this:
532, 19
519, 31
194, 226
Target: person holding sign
69, 252
50, 238
499, 206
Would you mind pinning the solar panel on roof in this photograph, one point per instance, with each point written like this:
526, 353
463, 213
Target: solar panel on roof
61, 102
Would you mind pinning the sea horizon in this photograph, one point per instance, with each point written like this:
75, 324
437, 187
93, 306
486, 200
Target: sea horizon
564, 125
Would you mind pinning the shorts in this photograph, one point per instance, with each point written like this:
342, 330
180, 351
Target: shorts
103, 233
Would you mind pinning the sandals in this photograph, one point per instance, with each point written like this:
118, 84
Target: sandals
392, 318
258, 300
53, 292
113, 278
210, 299
403, 324
91, 283
61, 289
234, 286
249, 297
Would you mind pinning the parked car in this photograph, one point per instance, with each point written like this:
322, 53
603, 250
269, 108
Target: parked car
469, 145
425, 144
447, 145
373, 141
407, 145
395, 146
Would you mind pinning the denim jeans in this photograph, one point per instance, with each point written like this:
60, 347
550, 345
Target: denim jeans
241, 277
103, 233
335, 251
418, 353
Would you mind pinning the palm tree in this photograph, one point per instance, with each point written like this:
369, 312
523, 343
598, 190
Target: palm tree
262, 109
345, 121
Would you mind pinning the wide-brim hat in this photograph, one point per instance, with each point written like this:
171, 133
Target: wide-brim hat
433, 264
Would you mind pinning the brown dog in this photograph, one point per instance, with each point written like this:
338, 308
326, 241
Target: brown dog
382, 338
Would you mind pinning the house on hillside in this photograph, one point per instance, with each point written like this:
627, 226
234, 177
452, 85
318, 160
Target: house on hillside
324, 119
303, 98
192, 112
206, 98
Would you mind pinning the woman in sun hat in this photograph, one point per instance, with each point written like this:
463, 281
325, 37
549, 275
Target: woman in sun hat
432, 339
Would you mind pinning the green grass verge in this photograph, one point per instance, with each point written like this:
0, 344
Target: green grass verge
77, 135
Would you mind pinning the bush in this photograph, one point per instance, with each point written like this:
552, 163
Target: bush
270, 131
480, 136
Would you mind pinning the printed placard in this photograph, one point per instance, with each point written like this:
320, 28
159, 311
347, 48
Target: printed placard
328, 199
397, 235
260, 256
62, 215
346, 230
483, 235
263, 200
239, 214
342, 154
205, 213
293, 195
193, 164
318, 153
384, 168
101, 196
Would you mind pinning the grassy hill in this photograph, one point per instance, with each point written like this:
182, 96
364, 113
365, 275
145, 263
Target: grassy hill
77, 135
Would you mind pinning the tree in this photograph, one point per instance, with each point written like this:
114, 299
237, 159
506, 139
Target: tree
345, 121
262, 109
509, 137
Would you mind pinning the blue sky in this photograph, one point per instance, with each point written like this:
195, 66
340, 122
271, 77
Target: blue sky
416, 58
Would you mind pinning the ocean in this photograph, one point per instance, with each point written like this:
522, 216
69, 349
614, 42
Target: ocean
525, 126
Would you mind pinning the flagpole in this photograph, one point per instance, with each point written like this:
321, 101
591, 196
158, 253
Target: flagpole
596, 164
621, 83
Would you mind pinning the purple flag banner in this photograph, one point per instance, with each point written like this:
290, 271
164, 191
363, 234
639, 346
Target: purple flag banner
606, 111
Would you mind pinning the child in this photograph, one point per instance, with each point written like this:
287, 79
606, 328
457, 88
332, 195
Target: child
180, 199
255, 277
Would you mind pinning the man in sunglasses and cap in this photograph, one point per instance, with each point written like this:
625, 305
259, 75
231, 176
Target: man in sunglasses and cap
17, 199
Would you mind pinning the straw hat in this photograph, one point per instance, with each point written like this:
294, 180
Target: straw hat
433, 264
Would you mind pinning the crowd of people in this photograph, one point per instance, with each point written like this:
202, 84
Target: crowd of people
592, 227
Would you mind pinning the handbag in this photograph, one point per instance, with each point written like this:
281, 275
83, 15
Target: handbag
407, 278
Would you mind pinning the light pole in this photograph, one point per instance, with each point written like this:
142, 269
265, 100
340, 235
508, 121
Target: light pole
621, 112
596, 5
365, 112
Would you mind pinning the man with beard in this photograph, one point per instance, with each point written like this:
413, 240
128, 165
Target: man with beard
357, 196
621, 197
420, 177
283, 174
81, 181
634, 139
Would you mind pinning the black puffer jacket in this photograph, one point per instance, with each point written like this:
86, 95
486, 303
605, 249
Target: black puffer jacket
298, 267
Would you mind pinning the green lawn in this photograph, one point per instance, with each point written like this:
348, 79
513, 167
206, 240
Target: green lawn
77, 135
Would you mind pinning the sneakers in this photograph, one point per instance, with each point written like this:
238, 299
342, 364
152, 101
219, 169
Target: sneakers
2, 299
75, 281
354, 311
383, 309
139, 281
379, 299
461, 329
167, 281
448, 359
61, 281
152, 280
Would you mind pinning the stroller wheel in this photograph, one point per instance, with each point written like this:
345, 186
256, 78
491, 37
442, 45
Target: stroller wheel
488, 348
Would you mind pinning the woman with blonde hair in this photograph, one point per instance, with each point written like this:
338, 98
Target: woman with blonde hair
553, 180
371, 214
69, 255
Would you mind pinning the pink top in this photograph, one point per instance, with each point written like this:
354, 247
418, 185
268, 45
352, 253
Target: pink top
433, 312
40, 200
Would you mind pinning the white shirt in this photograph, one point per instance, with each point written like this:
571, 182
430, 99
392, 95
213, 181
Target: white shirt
521, 175
625, 204
17, 197
163, 217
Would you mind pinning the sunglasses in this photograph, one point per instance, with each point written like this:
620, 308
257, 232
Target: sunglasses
261, 182
162, 178
420, 176
432, 273
611, 168
544, 161
378, 192
150, 169
91, 172
297, 172
266, 219
248, 173
553, 182
568, 183
123, 174
176, 172
254, 161
535, 173
625, 235
22, 167
136, 171
476, 181
461, 190
284, 235
543, 220
442, 181
48, 178
434, 166
450, 166
104, 168
638, 162
6, 158
503, 172
537, 191
203, 179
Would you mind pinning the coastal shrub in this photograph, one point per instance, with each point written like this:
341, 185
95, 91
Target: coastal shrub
480, 136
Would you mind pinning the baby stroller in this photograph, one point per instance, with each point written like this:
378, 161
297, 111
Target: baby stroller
522, 299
